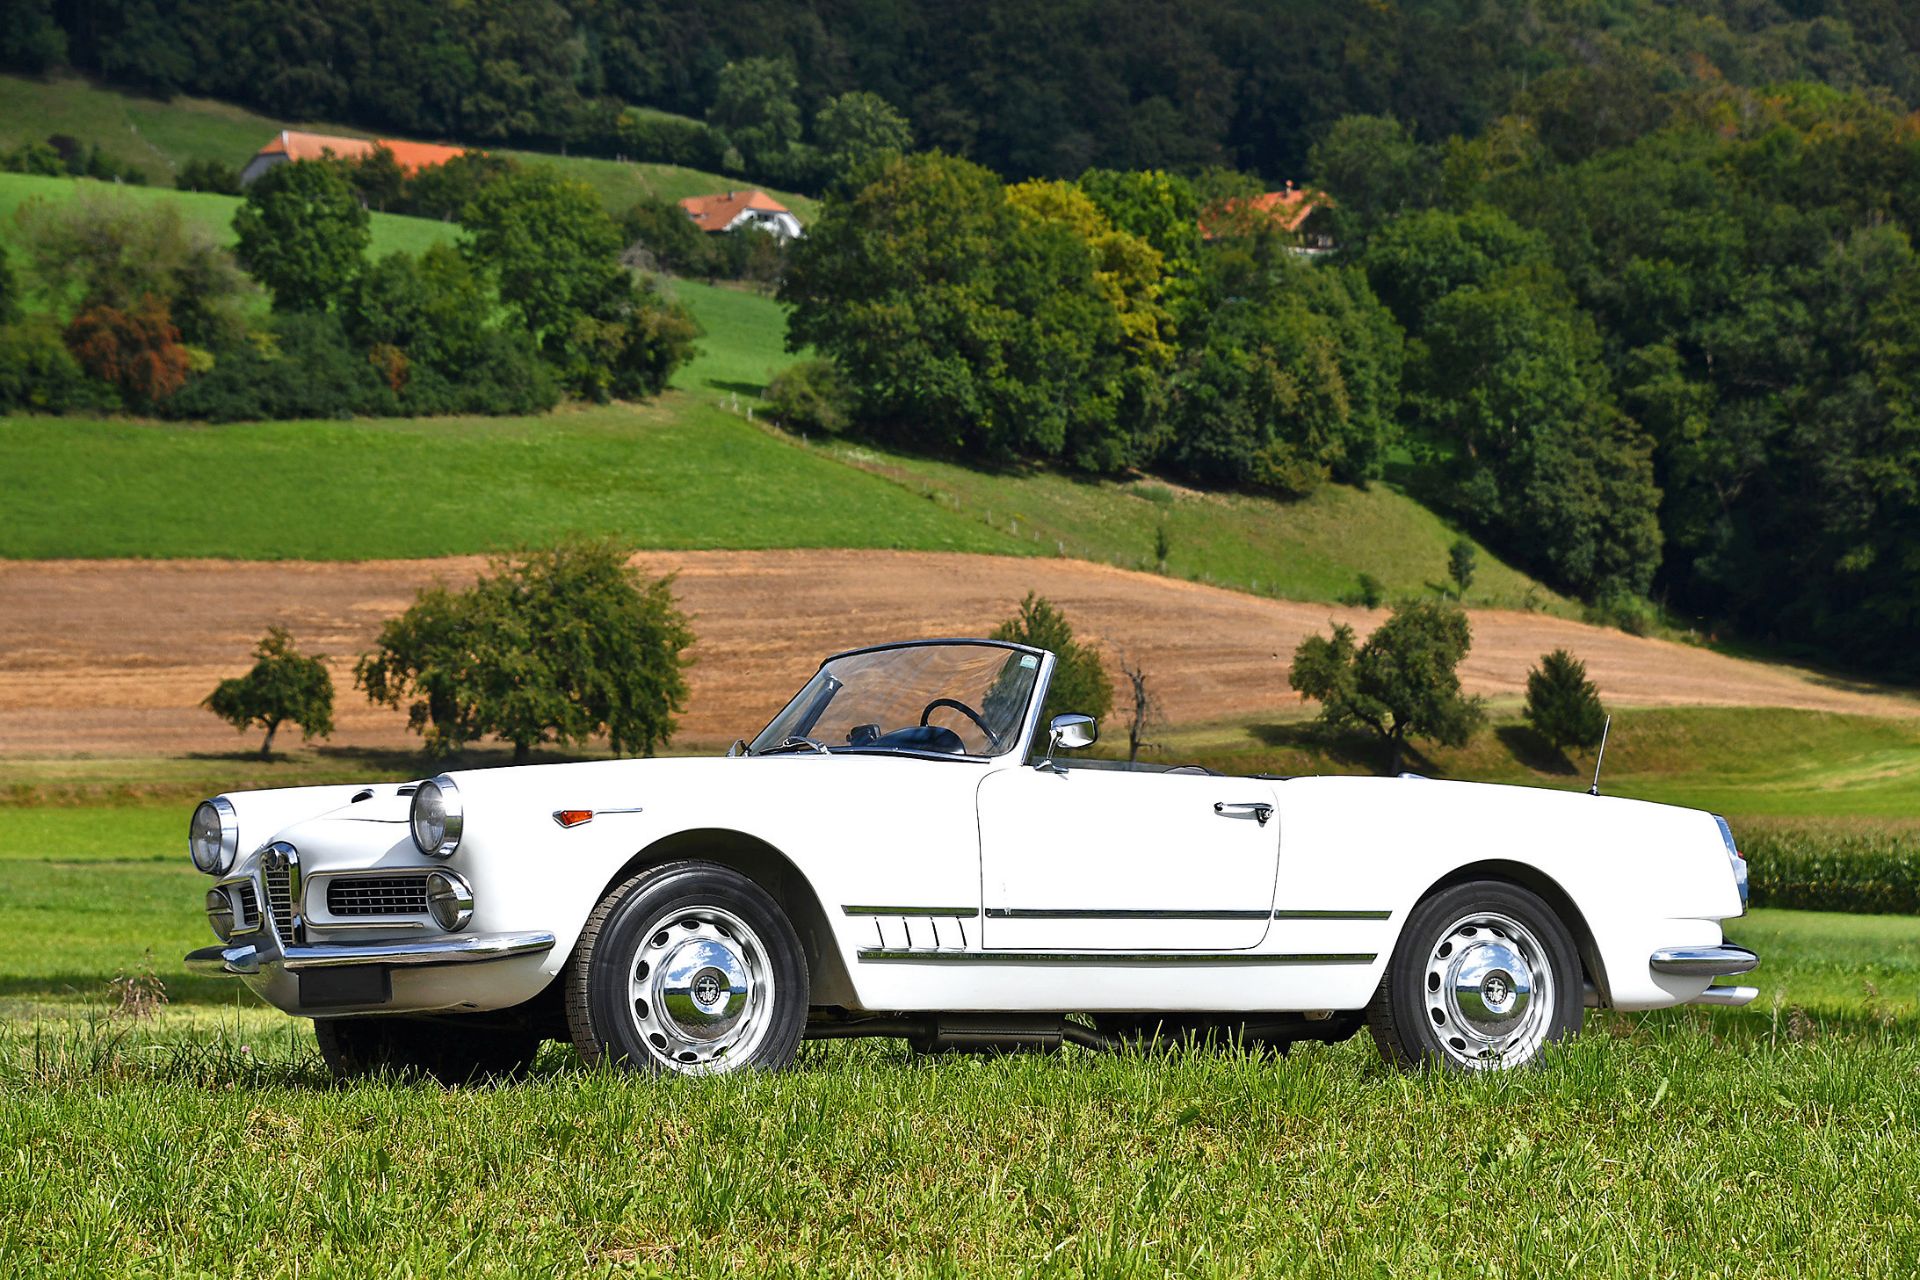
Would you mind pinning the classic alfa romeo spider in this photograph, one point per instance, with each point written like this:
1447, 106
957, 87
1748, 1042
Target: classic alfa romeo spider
906, 851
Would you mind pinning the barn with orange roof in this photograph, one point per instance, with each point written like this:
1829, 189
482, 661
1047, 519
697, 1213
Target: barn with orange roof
294, 144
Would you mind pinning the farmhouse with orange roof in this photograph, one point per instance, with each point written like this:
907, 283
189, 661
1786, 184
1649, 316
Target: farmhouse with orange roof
736, 209
1288, 209
292, 144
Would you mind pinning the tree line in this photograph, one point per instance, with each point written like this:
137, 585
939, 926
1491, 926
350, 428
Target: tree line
142, 310
1026, 90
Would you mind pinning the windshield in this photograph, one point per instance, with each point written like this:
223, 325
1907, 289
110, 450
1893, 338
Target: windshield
950, 699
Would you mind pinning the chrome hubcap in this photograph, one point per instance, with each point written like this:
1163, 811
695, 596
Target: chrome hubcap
700, 990
1489, 991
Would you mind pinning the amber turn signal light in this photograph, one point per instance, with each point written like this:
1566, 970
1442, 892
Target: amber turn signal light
572, 817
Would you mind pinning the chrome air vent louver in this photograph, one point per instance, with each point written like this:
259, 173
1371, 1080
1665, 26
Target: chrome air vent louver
395, 895
248, 917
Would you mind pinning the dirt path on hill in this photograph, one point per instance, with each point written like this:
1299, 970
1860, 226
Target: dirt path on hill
113, 657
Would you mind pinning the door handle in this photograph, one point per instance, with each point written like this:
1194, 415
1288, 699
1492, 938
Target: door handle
1258, 810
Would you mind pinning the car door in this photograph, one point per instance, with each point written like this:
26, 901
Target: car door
1105, 859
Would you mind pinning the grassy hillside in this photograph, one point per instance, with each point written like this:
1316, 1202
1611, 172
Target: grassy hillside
390, 231
159, 137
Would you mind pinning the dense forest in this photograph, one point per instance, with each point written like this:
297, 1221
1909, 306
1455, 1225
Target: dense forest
1024, 89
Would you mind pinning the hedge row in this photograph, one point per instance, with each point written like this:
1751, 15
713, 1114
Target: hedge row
1862, 871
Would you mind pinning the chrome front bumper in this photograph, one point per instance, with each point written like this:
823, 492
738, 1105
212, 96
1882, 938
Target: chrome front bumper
1722, 961
263, 953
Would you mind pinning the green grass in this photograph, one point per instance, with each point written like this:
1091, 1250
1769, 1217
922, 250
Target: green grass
159, 137
676, 473
390, 232
1783, 1139
743, 344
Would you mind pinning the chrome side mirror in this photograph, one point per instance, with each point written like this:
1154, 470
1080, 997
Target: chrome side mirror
1071, 732
1068, 733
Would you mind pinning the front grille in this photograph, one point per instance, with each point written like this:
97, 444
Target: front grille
249, 902
378, 896
280, 900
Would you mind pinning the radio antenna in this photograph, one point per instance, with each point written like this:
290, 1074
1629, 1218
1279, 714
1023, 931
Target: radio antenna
1600, 759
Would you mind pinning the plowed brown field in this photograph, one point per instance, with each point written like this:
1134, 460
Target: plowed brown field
113, 657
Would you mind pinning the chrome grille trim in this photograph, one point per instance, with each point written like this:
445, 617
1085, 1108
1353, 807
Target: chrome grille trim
383, 895
249, 904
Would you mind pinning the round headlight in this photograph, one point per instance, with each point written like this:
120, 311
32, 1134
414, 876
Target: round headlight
436, 817
449, 900
213, 837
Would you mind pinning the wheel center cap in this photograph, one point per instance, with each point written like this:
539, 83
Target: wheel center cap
710, 987
1497, 991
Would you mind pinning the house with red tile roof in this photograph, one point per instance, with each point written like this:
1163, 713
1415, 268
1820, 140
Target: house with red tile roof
1289, 210
735, 209
293, 144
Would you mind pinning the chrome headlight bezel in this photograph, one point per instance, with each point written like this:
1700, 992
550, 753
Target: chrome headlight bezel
223, 818
436, 840
449, 899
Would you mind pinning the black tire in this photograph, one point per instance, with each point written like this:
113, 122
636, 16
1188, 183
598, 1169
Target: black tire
1452, 997
444, 1049
663, 942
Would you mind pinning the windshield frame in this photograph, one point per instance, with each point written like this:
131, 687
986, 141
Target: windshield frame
1018, 744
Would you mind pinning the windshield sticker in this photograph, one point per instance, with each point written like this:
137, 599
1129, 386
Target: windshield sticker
1028, 662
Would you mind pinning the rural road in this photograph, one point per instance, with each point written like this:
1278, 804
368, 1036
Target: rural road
113, 657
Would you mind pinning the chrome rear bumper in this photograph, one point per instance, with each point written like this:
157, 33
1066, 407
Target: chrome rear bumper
255, 957
1722, 961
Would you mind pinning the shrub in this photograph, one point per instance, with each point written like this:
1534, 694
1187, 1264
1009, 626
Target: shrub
1461, 561
137, 352
303, 367
208, 175
553, 646
39, 374
1563, 705
1080, 683
284, 685
811, 396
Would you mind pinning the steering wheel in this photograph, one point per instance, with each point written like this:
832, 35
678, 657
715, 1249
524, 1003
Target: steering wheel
965, 710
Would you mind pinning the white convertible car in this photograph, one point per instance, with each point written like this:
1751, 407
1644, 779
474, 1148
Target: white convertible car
906, 851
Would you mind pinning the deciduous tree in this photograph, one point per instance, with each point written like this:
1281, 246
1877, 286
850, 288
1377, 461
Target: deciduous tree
284, 686
1080, 684
303, 233
1563, 705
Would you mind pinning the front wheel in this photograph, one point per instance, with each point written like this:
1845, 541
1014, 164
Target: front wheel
1484, 977
691, 968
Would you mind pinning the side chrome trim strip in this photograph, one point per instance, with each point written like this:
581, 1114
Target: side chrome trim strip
1722, 961
889, 955
1333, 915
1116, 913
961, 913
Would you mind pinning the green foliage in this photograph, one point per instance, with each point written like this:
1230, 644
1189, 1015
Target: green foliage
302, 366
102, 248
303, 234
284, 685
1369, 592
662, 229
1080, 682
39, 375
966, 321
1403, 683
553, 252
1461, 560
9, 290
1563, 705
205, 174
856, 134
1289, 376
1815, 869
31, 39
810, 395
1415, 261
560, 645
1375, 170
755, 112
445, 190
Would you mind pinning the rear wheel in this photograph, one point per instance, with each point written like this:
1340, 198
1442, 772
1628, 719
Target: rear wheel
448, 1049
1485, 976
688, 967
